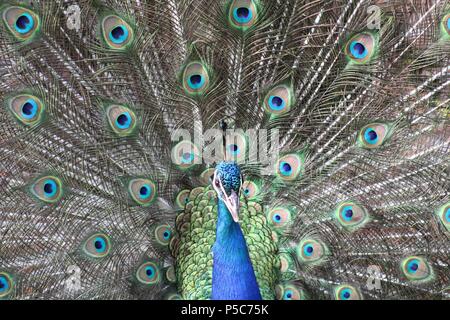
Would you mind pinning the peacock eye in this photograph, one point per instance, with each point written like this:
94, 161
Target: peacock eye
182, 198
236, 148
142, 191
373, 135
243, 14
122, 120
148, 273
361, 47
416, 268
47, 189
278, 100
443, 214
279, 217
351, 215
446, 23
346, 292
97, 245
207, 176
21, 22
288, 167
27, 109
185, 155
250, 189
163, 234
311, 251
195, 78
6, 284
116, 32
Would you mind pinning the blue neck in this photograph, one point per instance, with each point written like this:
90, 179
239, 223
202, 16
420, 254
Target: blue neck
233, 275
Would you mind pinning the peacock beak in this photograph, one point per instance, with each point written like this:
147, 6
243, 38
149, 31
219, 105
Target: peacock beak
232, 203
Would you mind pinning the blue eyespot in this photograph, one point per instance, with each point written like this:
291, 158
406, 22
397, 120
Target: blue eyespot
276, 103
242, 15
196, 81
24, 23
246, 191
118, 34
287, 295
100, 244
285, 168
4, 284
29, 109
345, 294
448, 23
50, 188
308, 250
447, 215
413, 266
234, 149
277, 218
358, 50
145, 191
123, 121
166, 235
370, 136
347, 213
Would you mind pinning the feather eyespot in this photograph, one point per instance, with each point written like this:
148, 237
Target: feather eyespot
243, 14
311, 251
28, 109
346, 292
97, 245
279, 217
21, 22
446, 23
182, 198
142, 191
206, 175
117, 33
163, 234
289, 291
361, 47
279, 100
288, 167
250, 189
236, 148
148, 273
195, 78
351, 216
47, 189
6, 284
443, 214
373, 135
185, 155
121, 119
416, 269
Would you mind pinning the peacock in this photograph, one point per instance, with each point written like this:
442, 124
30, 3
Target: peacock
224, 150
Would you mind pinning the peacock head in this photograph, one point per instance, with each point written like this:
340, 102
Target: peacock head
227, 181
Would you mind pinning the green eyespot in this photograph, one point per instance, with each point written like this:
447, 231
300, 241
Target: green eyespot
347, 292
6, 284
142, 191
445, 23
47, 189
279, 100
163, 234
182, 198
361, 47
251, 189
351, 215
196, 78
289, 291
185, 155
148, 273
311, 251
374, 135
443, 214
243, 14
117, 33
21, 22
236, 148
28, 109
289, 166
97, 245
416, 269
279, 217
121, 119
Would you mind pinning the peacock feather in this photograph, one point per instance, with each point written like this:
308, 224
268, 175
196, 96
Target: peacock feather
229, 149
